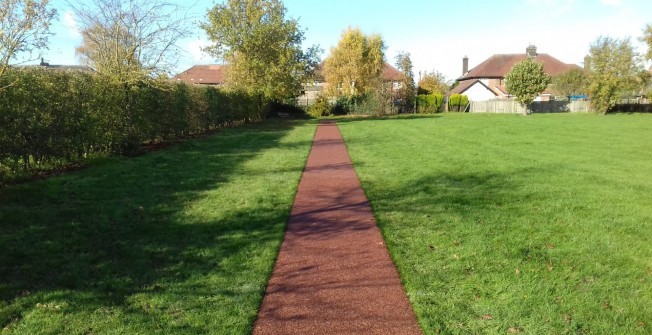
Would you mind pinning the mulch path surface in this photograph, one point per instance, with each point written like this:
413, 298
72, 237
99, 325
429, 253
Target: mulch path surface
333, 274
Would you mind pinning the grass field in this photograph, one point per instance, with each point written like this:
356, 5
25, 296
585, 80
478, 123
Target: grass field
509, 224
180, 241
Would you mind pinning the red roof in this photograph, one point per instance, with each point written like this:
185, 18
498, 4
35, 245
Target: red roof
497, 66
390, 73
203, 74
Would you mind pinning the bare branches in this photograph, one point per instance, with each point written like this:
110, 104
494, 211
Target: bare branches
130, 39
24, 29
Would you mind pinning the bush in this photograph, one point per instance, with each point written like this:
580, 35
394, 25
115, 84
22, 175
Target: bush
430, 103
52, 118
375, 103
321, 107
457, 102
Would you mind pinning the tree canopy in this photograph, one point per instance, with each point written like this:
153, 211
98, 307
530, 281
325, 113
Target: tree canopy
569, 83
129, 39
526, 80
24, 29
355, 65
408, 90
647, 39
613, 72
261, 47
433, 83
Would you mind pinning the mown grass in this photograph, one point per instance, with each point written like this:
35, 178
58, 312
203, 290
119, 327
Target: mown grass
180, 241
511, 224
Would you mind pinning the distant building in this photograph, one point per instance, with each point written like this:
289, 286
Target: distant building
47, 66
214, 75
487, 80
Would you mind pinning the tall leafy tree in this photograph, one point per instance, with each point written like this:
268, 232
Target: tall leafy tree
24, 29
433, 83
569, 83
129, 39
355, 65
647, 39
526, 80
261, 46
614, 71
408, 89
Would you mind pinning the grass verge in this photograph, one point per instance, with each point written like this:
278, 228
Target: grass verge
509, 224
179, 241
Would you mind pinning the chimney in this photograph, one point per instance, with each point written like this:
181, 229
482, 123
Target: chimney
531, 51
465, 65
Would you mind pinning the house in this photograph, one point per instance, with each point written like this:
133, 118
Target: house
203, 75
486, 81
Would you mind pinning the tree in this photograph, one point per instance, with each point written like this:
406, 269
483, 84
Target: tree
569, 83
261, 46
434, 83
647, 39
24, 29
408, 90
355, 65
526, 80
613, 72
129, 39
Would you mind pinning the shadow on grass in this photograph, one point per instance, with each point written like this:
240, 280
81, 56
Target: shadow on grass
98, 238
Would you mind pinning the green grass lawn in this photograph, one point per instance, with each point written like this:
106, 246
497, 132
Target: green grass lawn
509, 224
179, 241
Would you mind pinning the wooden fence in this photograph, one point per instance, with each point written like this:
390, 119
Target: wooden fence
513, 107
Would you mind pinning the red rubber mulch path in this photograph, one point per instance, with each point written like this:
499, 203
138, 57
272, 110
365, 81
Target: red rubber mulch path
333, 274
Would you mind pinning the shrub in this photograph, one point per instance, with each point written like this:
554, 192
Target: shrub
430, 103
321, 107
457, 102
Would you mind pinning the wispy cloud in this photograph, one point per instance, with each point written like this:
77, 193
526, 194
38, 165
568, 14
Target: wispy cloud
71, 24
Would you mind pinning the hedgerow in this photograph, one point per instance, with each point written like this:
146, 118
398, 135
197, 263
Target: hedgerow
53, 118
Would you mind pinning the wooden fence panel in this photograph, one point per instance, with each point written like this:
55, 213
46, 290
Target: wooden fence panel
513, 107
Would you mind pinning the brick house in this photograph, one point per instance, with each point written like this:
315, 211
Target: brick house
486, 81
203, 75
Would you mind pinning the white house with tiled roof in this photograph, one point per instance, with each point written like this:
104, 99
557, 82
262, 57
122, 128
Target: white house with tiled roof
486, 81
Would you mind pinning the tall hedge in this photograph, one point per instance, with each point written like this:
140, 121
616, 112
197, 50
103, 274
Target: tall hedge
457, 102
51, 118
429, 103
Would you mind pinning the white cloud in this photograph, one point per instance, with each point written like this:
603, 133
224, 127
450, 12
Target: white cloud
71, 24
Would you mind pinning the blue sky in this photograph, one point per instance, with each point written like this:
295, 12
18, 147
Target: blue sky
436, 33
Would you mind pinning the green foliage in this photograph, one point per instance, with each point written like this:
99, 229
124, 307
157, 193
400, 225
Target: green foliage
53, 118
355, 65
429, 103
434, 83
408, 89
457, 102
613, 72
573, 82
261, 46
321, 107
378, 102
526, 80
647, 39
